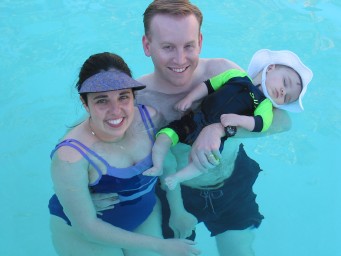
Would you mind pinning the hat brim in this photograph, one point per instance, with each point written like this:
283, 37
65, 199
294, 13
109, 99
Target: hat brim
110, 81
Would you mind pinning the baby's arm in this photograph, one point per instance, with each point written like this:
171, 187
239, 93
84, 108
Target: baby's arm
246, 122
159, 152
197, 93
207, 87
259, 122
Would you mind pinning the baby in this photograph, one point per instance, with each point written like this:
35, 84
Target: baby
279, 79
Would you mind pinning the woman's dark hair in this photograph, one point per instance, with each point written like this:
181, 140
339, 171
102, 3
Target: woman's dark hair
97, 63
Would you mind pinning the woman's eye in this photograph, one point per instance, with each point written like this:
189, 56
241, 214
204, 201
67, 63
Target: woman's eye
126, 97
101, 101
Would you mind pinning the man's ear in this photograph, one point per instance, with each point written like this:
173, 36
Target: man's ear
200, 41
146, 45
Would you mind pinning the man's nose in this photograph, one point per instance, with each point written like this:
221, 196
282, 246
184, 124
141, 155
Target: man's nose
180, 57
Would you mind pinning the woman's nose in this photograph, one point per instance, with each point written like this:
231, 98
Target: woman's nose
115, 108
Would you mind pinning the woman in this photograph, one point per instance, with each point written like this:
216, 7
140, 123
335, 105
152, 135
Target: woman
107, 153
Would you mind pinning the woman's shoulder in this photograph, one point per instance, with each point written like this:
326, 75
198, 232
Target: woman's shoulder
69, 144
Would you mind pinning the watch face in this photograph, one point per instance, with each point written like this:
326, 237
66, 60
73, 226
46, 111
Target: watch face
230, 131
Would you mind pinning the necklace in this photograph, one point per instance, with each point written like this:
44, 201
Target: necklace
92, 132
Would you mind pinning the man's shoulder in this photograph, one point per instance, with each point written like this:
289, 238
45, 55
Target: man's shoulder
145, 78
214, 66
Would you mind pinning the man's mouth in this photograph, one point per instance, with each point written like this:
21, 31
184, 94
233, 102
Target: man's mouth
178, 70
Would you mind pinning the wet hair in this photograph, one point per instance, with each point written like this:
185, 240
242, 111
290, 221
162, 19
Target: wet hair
97, 63
170, 7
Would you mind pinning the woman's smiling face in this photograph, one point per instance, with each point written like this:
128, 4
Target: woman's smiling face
111, 113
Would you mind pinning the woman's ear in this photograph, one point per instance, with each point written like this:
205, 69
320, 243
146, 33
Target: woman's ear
84, 104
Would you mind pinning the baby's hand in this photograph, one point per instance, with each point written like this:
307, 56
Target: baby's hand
183, 105
229, 120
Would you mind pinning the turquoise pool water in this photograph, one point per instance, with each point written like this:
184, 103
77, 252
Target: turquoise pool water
42, 45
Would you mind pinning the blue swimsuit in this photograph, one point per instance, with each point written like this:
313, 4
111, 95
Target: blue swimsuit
135, 191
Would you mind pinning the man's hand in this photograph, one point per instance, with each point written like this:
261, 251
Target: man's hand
205, 152
104, 201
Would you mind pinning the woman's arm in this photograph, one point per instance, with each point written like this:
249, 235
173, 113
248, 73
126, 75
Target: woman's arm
70, 179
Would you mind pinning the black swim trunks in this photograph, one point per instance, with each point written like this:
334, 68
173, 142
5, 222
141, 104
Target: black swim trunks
232, 206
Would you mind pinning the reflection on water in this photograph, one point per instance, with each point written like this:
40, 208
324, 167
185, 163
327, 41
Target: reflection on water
43, 44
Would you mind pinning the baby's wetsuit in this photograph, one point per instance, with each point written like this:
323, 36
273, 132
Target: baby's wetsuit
136, 191
229, 92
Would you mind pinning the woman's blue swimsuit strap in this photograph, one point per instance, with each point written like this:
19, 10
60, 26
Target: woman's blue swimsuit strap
135, 191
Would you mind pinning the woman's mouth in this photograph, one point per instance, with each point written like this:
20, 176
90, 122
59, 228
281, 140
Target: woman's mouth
115, 122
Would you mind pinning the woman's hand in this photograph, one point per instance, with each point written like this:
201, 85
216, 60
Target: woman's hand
178, 247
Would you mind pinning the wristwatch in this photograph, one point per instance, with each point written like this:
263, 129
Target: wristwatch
230, 131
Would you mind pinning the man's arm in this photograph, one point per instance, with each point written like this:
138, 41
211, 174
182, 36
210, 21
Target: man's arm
208, 141
281, 123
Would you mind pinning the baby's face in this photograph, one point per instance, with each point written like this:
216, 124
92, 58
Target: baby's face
283, 84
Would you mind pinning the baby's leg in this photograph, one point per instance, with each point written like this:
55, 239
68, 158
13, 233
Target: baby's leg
187, 173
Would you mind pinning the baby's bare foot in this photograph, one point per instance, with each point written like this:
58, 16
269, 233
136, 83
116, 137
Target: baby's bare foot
154, 171
171, 182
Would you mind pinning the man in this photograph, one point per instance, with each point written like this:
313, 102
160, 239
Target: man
222, 197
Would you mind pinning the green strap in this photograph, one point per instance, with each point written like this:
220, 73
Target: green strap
219, 80
264, 109
171, 134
